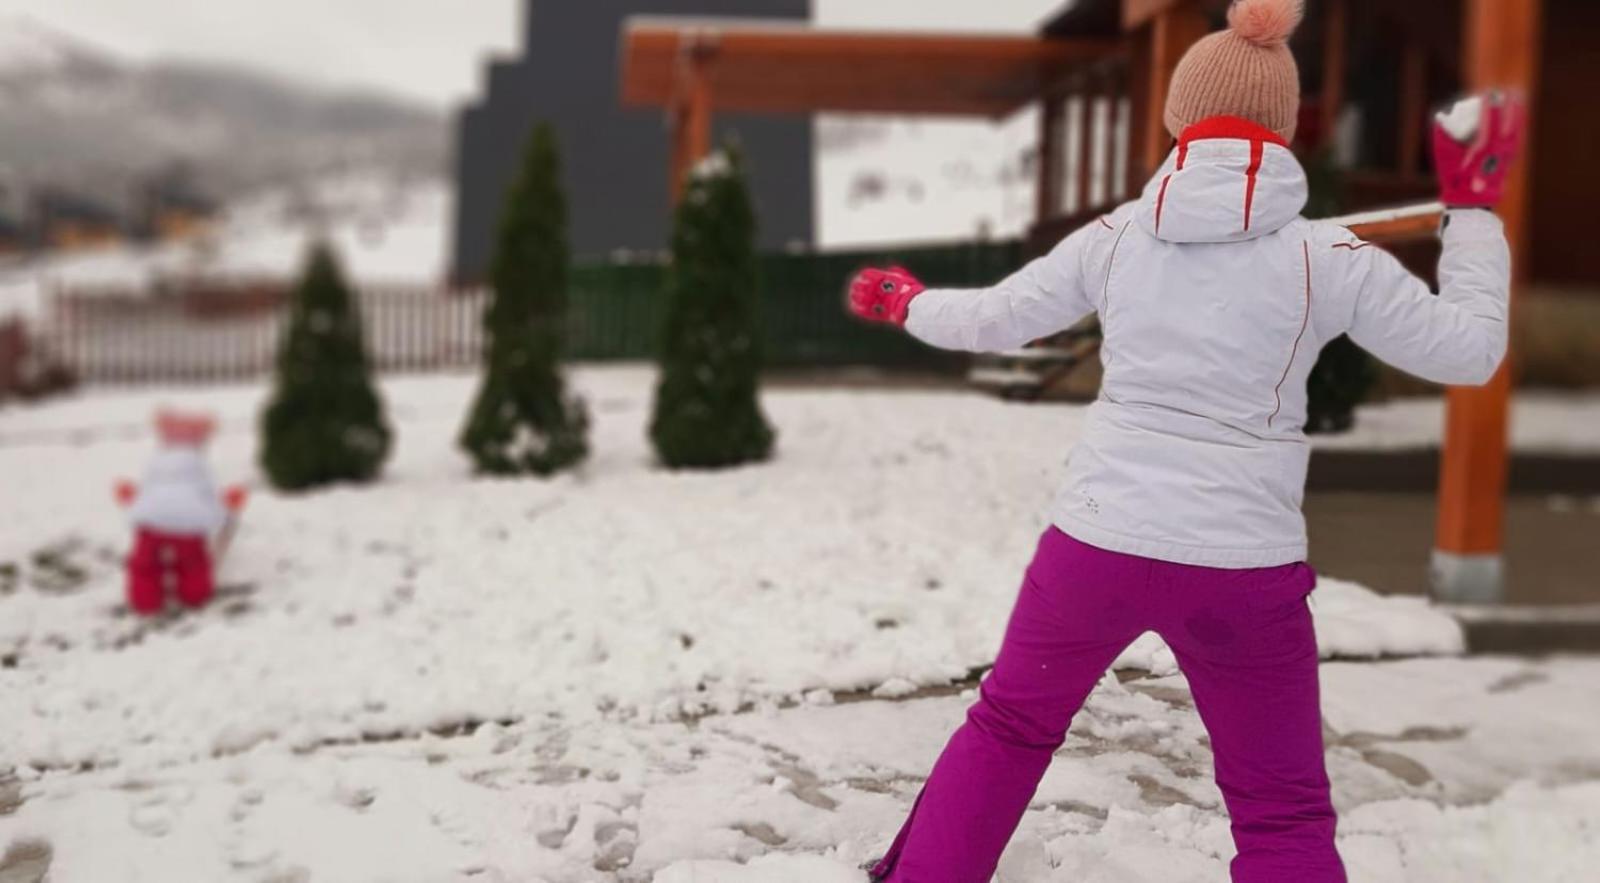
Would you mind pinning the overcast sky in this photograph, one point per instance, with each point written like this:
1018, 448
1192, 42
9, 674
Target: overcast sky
427, 49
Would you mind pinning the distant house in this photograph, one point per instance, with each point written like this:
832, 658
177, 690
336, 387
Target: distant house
171, 206
13, 236
68, 221
614, 158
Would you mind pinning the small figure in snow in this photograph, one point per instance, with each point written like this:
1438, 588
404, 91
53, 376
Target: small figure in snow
176, 512
1181, 507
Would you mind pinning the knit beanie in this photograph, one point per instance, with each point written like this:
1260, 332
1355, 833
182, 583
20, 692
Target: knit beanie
1245, 71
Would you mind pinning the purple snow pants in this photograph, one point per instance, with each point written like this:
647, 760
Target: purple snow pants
1245, 641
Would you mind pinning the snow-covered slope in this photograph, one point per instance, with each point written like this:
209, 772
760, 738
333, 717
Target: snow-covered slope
74, 113
29, 50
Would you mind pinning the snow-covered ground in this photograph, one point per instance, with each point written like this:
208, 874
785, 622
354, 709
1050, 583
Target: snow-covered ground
627, 672
1541, 422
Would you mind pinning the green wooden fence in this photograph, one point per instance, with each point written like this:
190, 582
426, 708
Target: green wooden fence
616, 309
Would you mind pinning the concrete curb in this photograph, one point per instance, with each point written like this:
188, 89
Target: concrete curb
1416, 470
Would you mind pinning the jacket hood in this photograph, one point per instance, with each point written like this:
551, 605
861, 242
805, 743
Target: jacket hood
1229, 180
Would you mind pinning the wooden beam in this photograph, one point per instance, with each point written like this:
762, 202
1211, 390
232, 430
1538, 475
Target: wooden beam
691, 114
1501, 51
1049, 202
1136, 13
1172, 32
1413, 108
1335, 65
1085, 133
788, 69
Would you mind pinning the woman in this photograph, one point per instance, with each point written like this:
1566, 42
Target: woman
1181, 508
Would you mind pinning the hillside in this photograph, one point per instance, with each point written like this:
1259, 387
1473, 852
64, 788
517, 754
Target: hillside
72, 112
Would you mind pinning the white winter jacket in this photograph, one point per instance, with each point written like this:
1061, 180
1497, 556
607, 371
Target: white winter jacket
177, 495
1216, 297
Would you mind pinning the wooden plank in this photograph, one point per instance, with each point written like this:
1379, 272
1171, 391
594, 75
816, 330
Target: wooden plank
1136, 13
1413, 108
776, 69
1501, 50
1399, 224
1049, 201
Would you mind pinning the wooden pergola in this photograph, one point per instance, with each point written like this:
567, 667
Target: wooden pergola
693, 67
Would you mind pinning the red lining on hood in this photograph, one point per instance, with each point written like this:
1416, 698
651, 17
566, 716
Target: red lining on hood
1237, 128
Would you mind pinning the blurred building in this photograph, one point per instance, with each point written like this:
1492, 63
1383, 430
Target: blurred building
66, 220
170, 205
614, 158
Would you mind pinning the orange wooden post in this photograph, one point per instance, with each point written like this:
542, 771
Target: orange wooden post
1500, 52
691, 112
1172, 32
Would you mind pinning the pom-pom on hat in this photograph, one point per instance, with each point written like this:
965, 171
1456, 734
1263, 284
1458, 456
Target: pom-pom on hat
1245, 71
180, 429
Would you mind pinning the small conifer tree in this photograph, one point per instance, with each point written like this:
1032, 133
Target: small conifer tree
524, 421
707, 408
325, 421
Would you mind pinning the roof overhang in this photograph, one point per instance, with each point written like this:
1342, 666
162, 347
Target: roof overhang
762, 67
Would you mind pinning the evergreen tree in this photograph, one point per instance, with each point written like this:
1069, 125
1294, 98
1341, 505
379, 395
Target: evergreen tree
707, 412
524, 421
325, 422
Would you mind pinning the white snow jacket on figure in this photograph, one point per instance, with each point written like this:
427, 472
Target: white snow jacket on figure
1216, 298
177, 495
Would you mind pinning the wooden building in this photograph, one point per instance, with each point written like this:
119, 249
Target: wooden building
1098, 73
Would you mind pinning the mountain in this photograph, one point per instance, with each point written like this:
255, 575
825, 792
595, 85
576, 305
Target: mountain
73, 113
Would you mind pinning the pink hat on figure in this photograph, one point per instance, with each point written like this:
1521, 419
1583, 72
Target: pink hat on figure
1246, 71
180, 429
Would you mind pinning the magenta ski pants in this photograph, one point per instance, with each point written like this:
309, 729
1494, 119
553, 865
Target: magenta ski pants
1245, 641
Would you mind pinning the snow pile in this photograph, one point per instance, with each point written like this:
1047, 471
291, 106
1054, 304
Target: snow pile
1542, 422
1352, 622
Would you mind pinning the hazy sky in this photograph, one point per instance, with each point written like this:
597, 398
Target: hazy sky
429, 49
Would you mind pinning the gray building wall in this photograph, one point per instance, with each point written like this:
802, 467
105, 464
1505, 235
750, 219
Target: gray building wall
614, 159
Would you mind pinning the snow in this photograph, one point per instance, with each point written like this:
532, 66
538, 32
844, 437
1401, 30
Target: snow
892, 181
1561, 423
711, 676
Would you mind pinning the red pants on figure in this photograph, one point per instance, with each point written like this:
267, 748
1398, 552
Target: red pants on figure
163, 563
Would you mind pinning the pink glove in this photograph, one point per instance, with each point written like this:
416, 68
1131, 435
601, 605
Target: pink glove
234, 497
884, 295
125, 491
1475, 143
